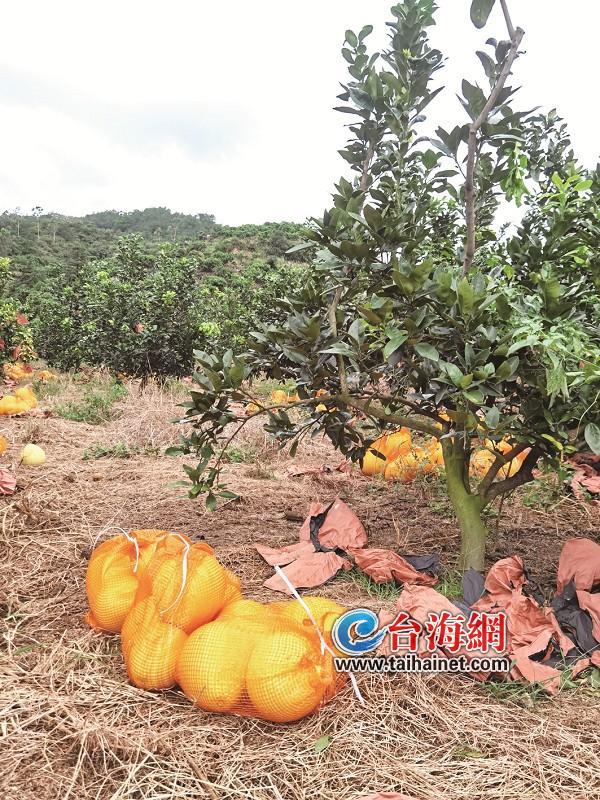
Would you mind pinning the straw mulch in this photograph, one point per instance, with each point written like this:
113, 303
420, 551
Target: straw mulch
72, 727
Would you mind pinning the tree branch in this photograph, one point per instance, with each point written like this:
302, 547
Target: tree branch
395, 419
524, 475
500, 460
516, 36
364, 178
388, 400
507, 19
331, 313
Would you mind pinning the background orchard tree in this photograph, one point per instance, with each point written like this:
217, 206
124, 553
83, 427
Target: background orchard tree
15, 332
418, 314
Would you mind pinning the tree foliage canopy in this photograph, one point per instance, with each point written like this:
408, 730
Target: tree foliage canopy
397, 323
143, 310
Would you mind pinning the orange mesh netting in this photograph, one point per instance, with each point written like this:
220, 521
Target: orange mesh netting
188, 583
150, 646
113, 575
263, 660
185, 622
259, 660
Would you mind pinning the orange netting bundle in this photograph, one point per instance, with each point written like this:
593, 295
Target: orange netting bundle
113, 576
183, 621
21, 401
398, 458
257, 661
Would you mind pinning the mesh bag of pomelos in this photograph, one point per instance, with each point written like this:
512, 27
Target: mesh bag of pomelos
183, 621
113, 575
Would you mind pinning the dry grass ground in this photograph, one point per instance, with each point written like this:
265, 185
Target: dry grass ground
72, 727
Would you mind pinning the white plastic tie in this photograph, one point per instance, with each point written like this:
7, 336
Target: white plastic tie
184, 572
324, 645
129, 538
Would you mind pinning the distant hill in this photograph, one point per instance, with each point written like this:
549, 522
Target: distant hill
157, 224
39, 242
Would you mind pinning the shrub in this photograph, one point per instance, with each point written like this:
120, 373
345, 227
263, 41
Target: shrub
143, 312
134, 313
15, 332
96, 405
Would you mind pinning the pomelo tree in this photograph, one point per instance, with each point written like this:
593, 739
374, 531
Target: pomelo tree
419, 311
15, 332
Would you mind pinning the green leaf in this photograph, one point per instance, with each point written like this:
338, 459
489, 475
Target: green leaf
555, 442
322, 743
340, 348
211, 502
507, 368
466, 297
298, 247
355, 331
351, 38
453, 373
429, 158
475, 396
492, 418
503, 307
397, 339
227, 495
427, 351
480, 11
520, 345
487, 63
236, 372
370, 315
592, 437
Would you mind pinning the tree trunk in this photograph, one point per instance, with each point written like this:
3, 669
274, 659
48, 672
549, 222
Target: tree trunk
467, 507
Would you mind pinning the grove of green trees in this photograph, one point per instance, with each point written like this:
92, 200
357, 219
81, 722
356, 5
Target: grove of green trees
138, 291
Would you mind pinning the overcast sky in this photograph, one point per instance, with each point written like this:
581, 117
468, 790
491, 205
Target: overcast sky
225, 108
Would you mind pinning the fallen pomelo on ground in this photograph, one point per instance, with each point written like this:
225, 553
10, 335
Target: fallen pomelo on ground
32, 455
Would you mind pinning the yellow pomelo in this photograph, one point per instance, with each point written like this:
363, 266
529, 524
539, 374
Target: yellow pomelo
151, 648
372, 464
279, 397
249, 616
319, 607
287, 676
404, 469
32, 455
233, 586
212, 665
202, 597
25, 395
111, 585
